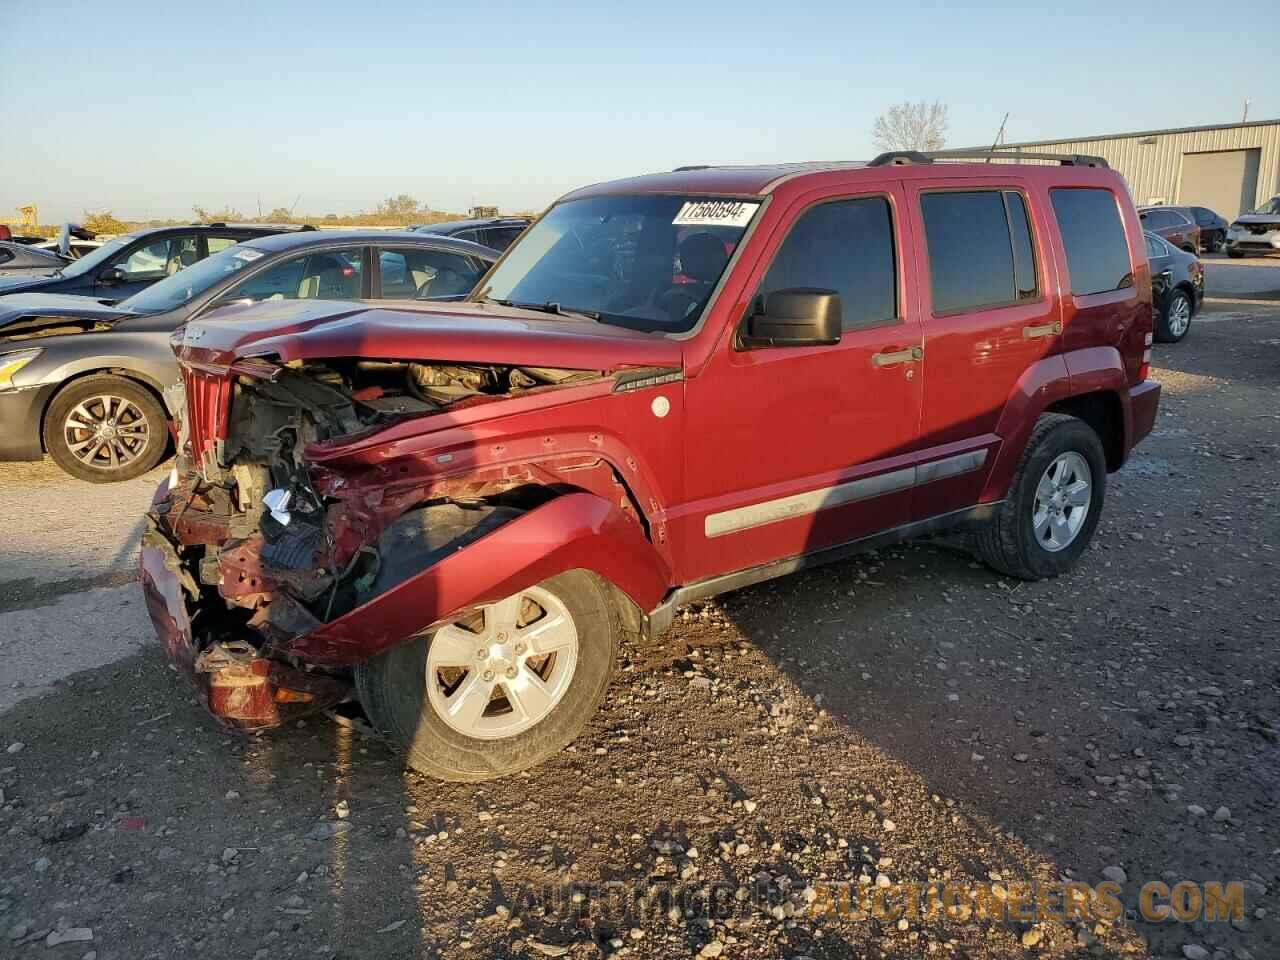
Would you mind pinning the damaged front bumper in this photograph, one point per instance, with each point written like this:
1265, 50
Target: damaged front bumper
241, 685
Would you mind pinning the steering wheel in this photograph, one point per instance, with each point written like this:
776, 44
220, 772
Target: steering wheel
676, 304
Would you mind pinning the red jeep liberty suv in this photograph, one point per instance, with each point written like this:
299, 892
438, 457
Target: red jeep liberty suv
669, 387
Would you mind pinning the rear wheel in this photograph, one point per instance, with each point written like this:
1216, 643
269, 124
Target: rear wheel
105, 429
1051, 511
501, 689
1235, 254
1174, 320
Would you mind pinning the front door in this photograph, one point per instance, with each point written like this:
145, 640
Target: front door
794, 449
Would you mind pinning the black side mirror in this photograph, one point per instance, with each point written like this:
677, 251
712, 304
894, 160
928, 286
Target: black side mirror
799, 317
112, 276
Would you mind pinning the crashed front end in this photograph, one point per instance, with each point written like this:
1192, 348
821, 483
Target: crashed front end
254, 551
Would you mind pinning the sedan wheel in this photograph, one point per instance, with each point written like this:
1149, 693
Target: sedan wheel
105, 428
1172, 325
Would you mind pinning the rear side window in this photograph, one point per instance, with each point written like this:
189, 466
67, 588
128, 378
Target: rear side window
1097, 252
845, 246
980, 249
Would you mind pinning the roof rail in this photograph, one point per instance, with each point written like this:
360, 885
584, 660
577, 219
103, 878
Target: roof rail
692, 166
902, 157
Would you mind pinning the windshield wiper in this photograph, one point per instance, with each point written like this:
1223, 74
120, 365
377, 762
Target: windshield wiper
549, 307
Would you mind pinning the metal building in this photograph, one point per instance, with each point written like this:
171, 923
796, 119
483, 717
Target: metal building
1230, 168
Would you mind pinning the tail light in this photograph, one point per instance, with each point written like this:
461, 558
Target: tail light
1144, 371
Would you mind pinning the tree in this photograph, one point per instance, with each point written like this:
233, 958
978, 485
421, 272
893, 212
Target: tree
279, 215
225, 215
911, 126
401, 207
103, 221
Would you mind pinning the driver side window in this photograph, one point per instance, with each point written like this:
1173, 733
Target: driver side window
846, 246
325, 275
148, 262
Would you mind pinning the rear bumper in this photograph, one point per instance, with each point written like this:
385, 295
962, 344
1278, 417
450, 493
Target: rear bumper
1144, 400
20, 414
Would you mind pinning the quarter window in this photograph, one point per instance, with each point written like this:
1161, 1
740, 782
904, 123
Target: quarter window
846, 246
1154, 248
1097, 251
980, 249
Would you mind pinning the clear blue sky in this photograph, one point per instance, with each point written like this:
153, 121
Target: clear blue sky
148, 108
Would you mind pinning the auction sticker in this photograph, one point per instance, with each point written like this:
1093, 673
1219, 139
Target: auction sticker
248, 254
715, 213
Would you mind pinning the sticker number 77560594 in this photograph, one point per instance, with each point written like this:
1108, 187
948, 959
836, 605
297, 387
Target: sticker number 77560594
715, 213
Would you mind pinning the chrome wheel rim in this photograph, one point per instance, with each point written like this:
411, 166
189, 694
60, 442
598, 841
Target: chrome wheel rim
106, 432
1179, 316
504, 669
1062, 501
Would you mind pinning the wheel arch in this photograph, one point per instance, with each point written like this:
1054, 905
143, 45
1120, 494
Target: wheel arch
1101, 410
573, 531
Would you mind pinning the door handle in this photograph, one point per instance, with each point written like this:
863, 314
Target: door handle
890, 357
1043, 330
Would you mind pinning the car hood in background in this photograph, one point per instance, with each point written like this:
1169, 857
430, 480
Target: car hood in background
13, 306
1270, 219
462, 332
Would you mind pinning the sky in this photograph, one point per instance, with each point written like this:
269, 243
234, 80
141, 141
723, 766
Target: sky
147, 109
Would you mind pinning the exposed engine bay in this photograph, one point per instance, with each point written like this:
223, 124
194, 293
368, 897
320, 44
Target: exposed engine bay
268, 547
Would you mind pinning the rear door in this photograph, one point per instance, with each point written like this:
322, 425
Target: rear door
425, 273
988, 320
794, 449
1159, 255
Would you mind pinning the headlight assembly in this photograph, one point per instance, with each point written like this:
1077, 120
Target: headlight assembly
11, 363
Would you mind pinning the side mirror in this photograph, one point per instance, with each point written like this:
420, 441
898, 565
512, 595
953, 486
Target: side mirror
112, 277
798, 317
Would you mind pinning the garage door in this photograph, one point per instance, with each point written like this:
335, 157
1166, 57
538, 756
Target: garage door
1224, 181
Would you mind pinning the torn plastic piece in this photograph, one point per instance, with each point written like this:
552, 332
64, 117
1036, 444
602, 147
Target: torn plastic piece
277, 502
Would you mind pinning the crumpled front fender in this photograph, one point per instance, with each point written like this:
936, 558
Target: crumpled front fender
577, 531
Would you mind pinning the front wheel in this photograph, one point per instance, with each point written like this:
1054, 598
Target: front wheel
1173, 322
105, 428
501, 689
1050, 513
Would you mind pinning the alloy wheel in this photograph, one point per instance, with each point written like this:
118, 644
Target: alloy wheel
503, 669
1179, 316
106, 432
1062, 501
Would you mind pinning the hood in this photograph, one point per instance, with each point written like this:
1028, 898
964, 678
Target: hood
57, 306
1267, 218
465, 332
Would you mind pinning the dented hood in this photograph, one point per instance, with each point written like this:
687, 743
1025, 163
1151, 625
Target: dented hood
18, 305
463, 332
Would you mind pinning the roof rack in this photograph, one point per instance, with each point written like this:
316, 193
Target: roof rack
222, 225
692, 166
907, 157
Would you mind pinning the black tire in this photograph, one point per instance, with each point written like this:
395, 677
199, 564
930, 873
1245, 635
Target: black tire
1177, 299
92, 391
1008, 543
391, 687
1235, 254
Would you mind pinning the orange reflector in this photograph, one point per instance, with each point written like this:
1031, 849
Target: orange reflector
285, 695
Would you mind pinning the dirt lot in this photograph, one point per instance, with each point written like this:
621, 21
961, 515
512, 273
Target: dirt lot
908, 717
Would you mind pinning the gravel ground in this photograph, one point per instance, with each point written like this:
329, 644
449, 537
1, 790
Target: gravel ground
907, 717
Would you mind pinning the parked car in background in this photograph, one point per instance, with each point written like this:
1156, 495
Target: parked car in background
1213, 228
1177, 288
672, 386
1256, 233
497, 233
1173, 225
83, 380
21, 259
129, 263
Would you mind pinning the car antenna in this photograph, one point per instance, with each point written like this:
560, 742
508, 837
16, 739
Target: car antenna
999, 135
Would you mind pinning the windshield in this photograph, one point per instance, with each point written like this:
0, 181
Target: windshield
645, 262
176, 290
1271, 208
91, 261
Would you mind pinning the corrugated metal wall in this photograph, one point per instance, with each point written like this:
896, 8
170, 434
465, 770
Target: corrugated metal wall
1152, 163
